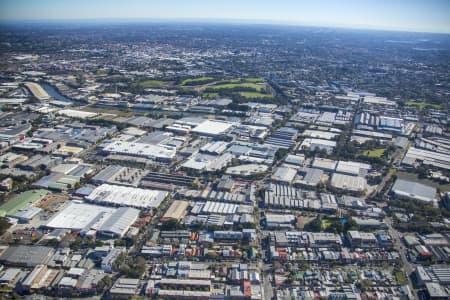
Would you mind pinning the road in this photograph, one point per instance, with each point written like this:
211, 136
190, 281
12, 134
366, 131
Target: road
398, 245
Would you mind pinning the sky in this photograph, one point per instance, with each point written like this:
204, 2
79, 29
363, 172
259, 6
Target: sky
408, 15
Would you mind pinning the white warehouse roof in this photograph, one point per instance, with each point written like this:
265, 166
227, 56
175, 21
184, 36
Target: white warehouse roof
212, 128
347, 182
414, 190
149, 151
127, 196
120, 221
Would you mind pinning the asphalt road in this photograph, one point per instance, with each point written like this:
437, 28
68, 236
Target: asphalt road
398, 245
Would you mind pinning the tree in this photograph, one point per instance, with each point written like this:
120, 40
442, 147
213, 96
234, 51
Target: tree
315, 225
4, 225
104, 284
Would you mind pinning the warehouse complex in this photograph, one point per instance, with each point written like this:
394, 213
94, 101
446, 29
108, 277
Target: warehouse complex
149, 151
94, 219
126, 196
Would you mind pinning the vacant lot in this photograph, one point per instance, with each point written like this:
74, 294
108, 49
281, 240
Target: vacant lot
375, 152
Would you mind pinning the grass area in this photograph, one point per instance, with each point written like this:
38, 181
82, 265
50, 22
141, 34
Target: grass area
325, 224
423, 105
151, 83
236, 86
246, 79
101, 72
255, 95
401, 278
196, 81
210, 95
392, 171
375, 152
254, 79
21, 201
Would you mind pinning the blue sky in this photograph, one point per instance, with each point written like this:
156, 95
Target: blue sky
411, 15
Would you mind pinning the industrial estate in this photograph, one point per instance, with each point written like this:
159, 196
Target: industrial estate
165, 161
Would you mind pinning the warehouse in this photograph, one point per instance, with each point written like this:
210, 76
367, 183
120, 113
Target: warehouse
253, 154
279, 221
149, 151
284, 137
71, 113
216, 148
405, 189
296, 160
309, 177
414, 157
219, 208
326, 135
175, 179
26, 256
127, 196
77, 216
324, 164
118, 224
348, 183
228, 235
207, 162
13, 134
361, 239
115, 174
353, 168
284, 175
176, 211
212, 128
318, 144
87, 218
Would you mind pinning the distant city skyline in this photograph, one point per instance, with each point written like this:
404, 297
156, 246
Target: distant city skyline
403, 15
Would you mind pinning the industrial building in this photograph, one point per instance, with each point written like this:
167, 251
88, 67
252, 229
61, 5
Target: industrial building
149, 151
318, 144
283, 196
284, 137
405, 189
309, 177
353, 168
359, 239
40, 277
175, 179
348, 183
115, 174
26, 256
326, 135
327, 165
126, 196
176, 211
415, 157
436, 274
219, 208
284, 175
216, 148
279, 220
212, 128
207, 162
90, 219
252, 152
118, 224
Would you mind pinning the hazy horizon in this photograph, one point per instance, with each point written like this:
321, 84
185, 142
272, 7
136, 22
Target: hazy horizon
397, 15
